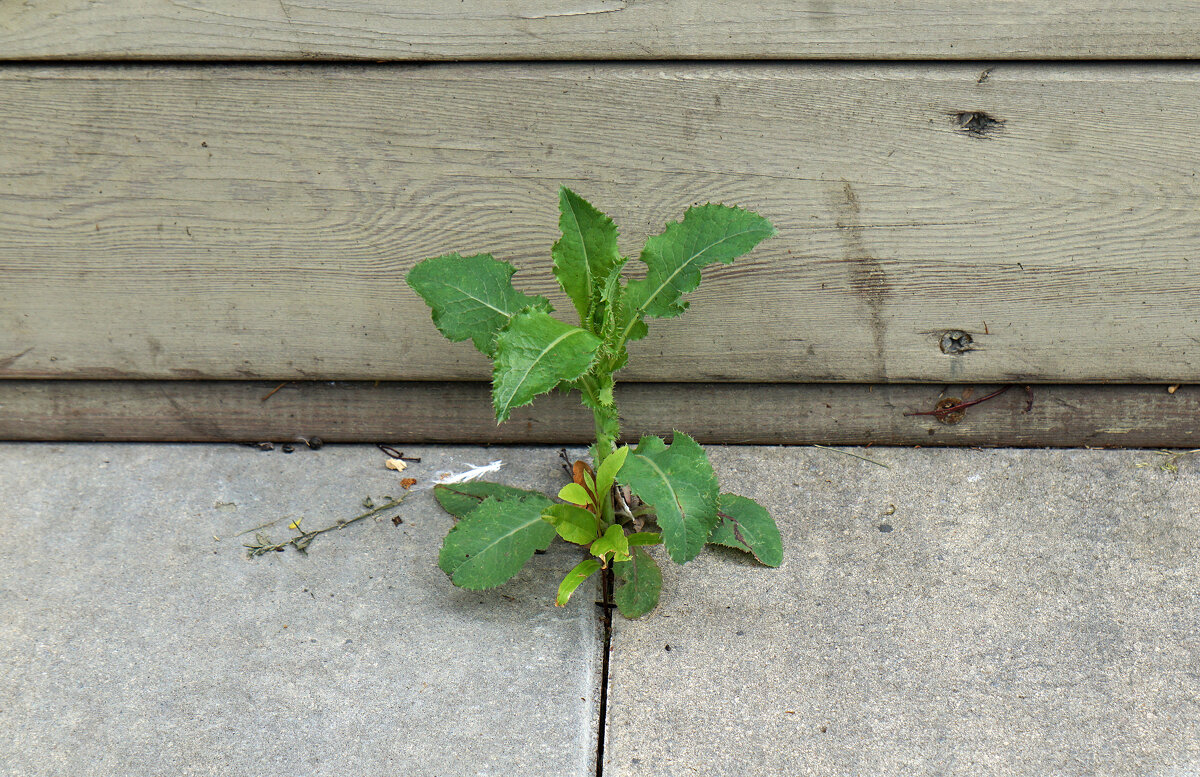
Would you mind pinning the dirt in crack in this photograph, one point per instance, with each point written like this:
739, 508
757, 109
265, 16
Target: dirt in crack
606, 607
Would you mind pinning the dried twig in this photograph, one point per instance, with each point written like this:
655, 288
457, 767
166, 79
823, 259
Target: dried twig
566, 463
257, 528
300, 542
395, 454
944, 411
848, 453
1172, 460
271, 393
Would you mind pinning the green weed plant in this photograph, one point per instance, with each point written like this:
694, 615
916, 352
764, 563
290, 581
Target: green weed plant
630, 498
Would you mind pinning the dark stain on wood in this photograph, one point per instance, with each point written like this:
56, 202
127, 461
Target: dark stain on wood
868, 280
201, 424
8, 361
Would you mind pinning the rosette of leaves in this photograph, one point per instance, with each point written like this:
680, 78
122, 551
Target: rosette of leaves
634, 497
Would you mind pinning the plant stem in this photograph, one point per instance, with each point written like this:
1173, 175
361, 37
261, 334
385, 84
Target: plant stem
608, 430
607, 421
301, 541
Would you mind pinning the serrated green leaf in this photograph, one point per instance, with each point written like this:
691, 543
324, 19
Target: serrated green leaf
575, 494
635, 330
614, 543
641, 584
645, 538
747, 526
471, 297
582, 571
708, 233
492, 542
607, 474
723, 535
534, 353
649, 445
573, 524
678, 481
586, 254
459, 499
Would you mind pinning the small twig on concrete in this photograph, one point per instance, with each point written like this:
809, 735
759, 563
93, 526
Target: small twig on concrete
395, 454
257, 528
300, 542
567, 464
848, 453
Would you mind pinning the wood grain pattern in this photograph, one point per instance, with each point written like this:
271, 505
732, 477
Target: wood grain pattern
598, 29
257, 222
768, 414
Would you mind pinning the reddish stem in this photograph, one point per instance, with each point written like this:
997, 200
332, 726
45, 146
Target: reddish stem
961, 405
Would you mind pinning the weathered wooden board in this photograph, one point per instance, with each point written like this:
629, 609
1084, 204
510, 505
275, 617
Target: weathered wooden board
598, 29
257, 222
843, 414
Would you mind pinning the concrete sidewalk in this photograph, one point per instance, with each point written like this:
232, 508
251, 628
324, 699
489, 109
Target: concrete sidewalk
136, 637
1006, 612
962, 612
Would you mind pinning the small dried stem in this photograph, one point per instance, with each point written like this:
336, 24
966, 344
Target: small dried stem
301, 541
1171, 464
848, 453
944, 411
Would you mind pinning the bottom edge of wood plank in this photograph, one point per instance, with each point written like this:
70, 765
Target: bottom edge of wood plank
744, 413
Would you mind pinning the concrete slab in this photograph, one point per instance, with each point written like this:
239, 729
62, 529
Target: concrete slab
136, 638
991, 612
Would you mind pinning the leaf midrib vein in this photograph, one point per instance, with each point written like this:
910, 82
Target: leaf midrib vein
587, 262
501, 538
535, 362
667, 481
483, 302
687, 263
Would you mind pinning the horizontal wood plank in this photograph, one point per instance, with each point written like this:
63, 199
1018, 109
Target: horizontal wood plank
257, 222
832, 414
597, 29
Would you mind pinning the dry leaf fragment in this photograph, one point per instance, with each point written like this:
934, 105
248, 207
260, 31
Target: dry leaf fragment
408, 482
1173, 389
397, 464
577, 471
577, 475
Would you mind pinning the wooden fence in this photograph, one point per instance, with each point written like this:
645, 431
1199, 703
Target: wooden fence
201, 199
